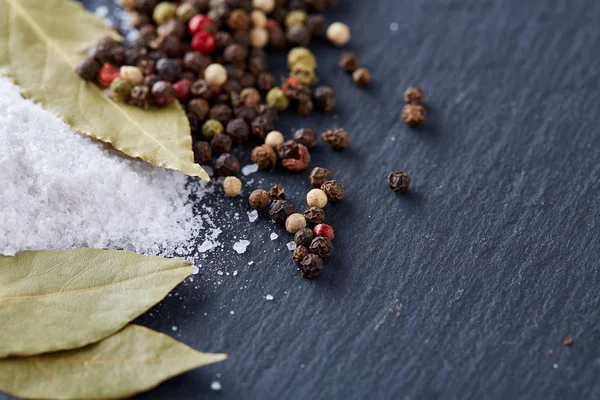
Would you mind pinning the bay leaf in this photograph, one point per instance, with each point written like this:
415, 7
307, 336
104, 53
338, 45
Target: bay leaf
131, 361
41, 43
58, 300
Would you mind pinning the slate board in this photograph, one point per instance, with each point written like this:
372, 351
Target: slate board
463, 289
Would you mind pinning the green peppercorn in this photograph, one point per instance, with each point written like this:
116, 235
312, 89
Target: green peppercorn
163, 12
277, 99
120, 89
295, 17
304, 74
301, 55
211, 128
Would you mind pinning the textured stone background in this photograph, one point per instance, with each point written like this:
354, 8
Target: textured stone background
466, 287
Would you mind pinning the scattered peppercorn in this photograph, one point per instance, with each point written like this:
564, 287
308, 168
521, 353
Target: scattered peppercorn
317, 198
414, 95
295, 222
259, 199
349, 61
336, 138
227, 165
121, 89
277, 192
413, 114
202, 153
324, 99
215, 75
140, 96
568, 341
232, 186
280, 210
88, 69
299, 253
274, 139
319, 175
277, 99
321, 246
361, 77
306, 137
261, 125
163, 93
168, 69
311, 266
314, 215
304, 237
303, 56
238, 130
324, 230
250, 97
399, 182
338, 34
288, 149
220, 144
199, 107
300, 163
333, 189
264, 156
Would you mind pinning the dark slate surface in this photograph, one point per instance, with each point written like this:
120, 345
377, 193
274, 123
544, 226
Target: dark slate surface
466, 287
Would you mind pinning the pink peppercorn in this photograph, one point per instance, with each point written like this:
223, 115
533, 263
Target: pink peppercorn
324, 230
108, 74
182, 88
203, 42
198, 23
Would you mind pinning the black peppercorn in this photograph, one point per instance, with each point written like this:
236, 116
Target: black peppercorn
288, 149
299, 253
170, 45
399, 182
319, 175
163, 93
220, 144
227, 165
324, 99
280, 210
144, 6
238, 130
168, 69
148, 67
298, 34
235, 54
201, 88
264, 156
337, 138
221, 112
256, 65
140, 96
241, 37
195, 62
193, 121
248, 114
250, 97
262, 125
333, 189
306, 137
223, 39
199, 107
150, 80
173, 27
321, 246
349, 61
238, 20
361, 77
311, 266
276, 37
202, 153
277, 192
258, 199
88, 69
304, 237
315, 24
314, 215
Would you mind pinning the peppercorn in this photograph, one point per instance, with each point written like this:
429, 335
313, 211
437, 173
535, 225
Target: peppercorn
193, 121
121, 89
267, 111
288, 149
324, 230
321, 246
150, 80
250, 97
264, 156
349, 61
305, 106
413, 114
319, 175
221, 112
238, 130
258, 18
306, 137
304, 236
280, 210
304, 74
215, 75
200, 88
163, 12
195, 62
315, 24
300, 163
211, 128
107, 75
337, 138
264, 5
568, 341
295, 222
277, 192
168, 69
198, 23
261, 125
182, 89
338, 34
170, 45
140, 96
311, 266
145, 6
241, 37
203, 42
276, 37
163, 93
246, 113
361, 77
259, 37
298, 35
414, 95
227, 165
199, 107
295, 17
274, 139
303, 56
232, 186
238, 20
147, 34
258, 199
324, 99
185, 11
399, 181
333, 189
88, 69
265, 81
316, 197
202, 153
148, 67
277, 99
174, 28
235, 54
299, 253
314, 215
220, 144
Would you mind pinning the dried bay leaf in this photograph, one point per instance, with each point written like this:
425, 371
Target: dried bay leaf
41, 43
58, 300
132, 361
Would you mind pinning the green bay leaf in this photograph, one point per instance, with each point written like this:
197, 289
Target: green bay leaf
58, 300
41, 43
132, 361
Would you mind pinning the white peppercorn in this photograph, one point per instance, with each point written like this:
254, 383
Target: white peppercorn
232, 186
317, 198
274, 139
259, 37
295, 222
259, 18
133, 75
338, 34
215, 75
264, 5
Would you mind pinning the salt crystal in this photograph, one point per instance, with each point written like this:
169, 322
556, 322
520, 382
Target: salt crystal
240, 247
206, 246
249, 169
274, 236
394, 26
235, 272
174, 328
216, 385
250, 262
269, 297
252, 215
219, 272
101, 11
291, 246
195, 270
231, 312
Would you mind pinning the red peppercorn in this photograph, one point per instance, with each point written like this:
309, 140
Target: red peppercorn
324, 230
182, 88
198, 23
108, 74
203, 42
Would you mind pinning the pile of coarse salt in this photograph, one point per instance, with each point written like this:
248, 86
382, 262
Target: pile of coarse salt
61, 190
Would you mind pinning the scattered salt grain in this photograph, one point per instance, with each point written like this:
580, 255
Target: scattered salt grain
231, 312
240, 246
101, 11
252, 215
219, 272
206, 246
274, 236
216, 385
249, 169
195, 270
394, 26
235, 272
269, 297
174, 328
250, 262
291, 246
